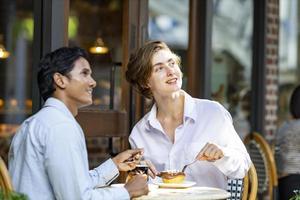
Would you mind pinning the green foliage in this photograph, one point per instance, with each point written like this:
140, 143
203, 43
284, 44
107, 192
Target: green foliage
296, 196
12, 196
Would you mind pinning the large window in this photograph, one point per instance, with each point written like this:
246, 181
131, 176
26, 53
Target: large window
288, 55
171, 27
232, 56
97, 27
16, 36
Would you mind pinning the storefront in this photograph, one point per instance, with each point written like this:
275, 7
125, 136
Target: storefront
229, 51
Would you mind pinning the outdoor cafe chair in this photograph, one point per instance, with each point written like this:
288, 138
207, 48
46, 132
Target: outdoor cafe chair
264, 162
5, 181
244, 189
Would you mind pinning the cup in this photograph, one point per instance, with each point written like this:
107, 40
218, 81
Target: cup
140, 169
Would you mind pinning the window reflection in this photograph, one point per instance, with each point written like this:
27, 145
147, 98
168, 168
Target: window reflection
232, 56
16, 35
171, 27
288, 55
95, 25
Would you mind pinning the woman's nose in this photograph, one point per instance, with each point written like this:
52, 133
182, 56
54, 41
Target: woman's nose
170, 70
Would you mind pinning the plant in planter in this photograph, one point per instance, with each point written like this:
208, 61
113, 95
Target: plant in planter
296, 196
12, 196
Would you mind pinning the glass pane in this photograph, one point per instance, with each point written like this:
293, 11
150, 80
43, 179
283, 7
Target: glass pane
94, 24
232, 59
288, 55
16, 36
171, 27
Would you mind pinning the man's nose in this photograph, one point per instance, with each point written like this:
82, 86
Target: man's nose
93, 83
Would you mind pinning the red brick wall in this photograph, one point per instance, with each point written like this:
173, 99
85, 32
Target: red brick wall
272, 41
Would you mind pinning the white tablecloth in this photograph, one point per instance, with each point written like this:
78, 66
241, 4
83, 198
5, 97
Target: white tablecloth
192, 193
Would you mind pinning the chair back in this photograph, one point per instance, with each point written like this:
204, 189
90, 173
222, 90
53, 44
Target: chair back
105, 123
5, 181
235, 187
264, 162
108, 128
243, 189
250, 184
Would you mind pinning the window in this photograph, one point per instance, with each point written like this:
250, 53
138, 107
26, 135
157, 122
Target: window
232, 59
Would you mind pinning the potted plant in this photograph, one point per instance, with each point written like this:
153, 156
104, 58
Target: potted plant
296, 196
12, 195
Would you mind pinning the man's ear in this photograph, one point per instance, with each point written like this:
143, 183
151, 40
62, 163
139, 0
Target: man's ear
59, 80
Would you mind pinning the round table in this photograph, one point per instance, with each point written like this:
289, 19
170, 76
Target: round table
192, 193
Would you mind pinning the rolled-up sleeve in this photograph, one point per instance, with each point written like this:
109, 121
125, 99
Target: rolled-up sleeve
236, 161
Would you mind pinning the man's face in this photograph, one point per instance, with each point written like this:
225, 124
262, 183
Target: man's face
80, 84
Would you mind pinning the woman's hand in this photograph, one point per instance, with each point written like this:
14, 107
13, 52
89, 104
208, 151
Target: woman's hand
210, 152
127, 160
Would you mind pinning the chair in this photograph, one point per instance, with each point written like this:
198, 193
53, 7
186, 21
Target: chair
243, 189
105, 124
264, 162
5, 181
250, 184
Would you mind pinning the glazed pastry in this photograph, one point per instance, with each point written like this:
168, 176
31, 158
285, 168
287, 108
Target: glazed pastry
172, 176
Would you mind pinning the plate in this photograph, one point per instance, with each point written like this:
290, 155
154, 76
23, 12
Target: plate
117, 185
185, 184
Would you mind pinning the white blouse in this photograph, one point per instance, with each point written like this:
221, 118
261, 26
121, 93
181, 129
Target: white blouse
203, 121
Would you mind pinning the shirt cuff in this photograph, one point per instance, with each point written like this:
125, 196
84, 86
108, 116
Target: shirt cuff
109, 171
221, 162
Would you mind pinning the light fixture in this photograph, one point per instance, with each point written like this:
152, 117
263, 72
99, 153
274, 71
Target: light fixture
3, 53
99, 47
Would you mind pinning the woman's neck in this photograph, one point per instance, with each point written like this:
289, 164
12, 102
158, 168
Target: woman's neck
170, 106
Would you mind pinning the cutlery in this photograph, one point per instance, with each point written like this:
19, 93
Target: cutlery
185, 166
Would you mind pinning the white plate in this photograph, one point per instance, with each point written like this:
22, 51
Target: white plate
117, 185
185, 184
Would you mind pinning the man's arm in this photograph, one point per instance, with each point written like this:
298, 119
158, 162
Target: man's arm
67, 167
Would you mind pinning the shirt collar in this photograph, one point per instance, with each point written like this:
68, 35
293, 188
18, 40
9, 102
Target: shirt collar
189, 107
189, 112
59, 105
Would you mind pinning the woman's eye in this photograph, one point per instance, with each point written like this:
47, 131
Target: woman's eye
159, 68
172, 63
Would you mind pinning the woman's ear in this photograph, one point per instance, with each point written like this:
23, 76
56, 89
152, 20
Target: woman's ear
59, 80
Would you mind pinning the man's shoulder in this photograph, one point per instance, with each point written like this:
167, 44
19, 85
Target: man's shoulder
49, 116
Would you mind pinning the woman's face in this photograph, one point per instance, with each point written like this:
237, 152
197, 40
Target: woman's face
166, 76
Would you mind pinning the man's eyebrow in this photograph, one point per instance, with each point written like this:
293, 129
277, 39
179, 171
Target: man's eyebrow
87, 69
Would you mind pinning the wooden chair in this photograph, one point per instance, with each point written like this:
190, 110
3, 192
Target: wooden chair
105, 124
250, 184
5, 181
243, 189
263, 160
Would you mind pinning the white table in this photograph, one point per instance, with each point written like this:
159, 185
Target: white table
192, 193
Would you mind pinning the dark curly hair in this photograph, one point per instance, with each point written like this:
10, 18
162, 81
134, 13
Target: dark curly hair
59, 61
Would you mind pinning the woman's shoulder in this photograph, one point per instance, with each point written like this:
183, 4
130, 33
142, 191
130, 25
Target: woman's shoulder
209, 105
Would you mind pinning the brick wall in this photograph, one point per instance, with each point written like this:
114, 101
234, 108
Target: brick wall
272, 42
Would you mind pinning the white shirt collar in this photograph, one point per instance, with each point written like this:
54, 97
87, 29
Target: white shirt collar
188, 113
56, 103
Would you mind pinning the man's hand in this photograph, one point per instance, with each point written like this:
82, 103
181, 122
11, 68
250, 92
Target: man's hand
137, 186
127, 160
152, 170
210, 152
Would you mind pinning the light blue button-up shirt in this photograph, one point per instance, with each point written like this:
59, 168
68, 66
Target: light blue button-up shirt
48, 159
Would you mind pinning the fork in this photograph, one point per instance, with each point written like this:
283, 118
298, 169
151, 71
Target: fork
185, 166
